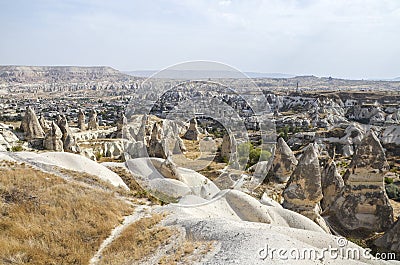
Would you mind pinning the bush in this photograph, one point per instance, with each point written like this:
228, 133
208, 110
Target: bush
283, 132
98, 155
388, 180
17, 148
393, 191
247, 152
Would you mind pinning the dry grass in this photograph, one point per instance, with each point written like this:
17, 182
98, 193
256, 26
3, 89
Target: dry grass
47, 220
136, 190
92, 180
137, 241
188, 253
192, 149
212, 171
108, 159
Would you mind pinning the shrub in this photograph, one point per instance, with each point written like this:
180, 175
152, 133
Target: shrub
247, 152
17, 148
388, 180
98, 155
393, 191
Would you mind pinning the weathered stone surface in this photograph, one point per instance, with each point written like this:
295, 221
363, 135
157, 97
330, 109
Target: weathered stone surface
44, 124
193, 132
284, 161
155, 148
167, 168
179, 146
81, 120
363, 203
7, 138
134, 150
31, 126
226, 146
390, 241
261, 168
52, 140
304, 185
332, 184
113, 150
141, 133
93, 123
229, 150
67, 136
303, 191
122, 129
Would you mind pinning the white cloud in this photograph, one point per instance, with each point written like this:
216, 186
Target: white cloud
225, 2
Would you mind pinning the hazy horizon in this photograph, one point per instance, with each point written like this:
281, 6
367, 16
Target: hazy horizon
251, 74
342, 39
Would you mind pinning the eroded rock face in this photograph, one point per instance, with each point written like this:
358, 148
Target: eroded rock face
155, 148
303, 191
363, 203
284, 161
113, 150
179, 146
81, 120
141, 133
52, 140
226, 146
44, 124
122, 129
167, 168
67, 136
93, 123
332, 184
390, 241
30, 125
134, 150
369, 155
193, 132
7, 138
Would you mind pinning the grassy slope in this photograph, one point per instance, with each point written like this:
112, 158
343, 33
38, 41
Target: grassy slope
47, 220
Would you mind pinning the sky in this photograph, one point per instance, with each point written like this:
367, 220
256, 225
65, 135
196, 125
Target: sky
339, 38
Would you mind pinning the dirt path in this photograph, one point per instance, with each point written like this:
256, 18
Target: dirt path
140, 212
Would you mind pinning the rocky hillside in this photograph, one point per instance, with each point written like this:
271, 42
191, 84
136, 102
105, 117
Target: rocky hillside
57, 74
